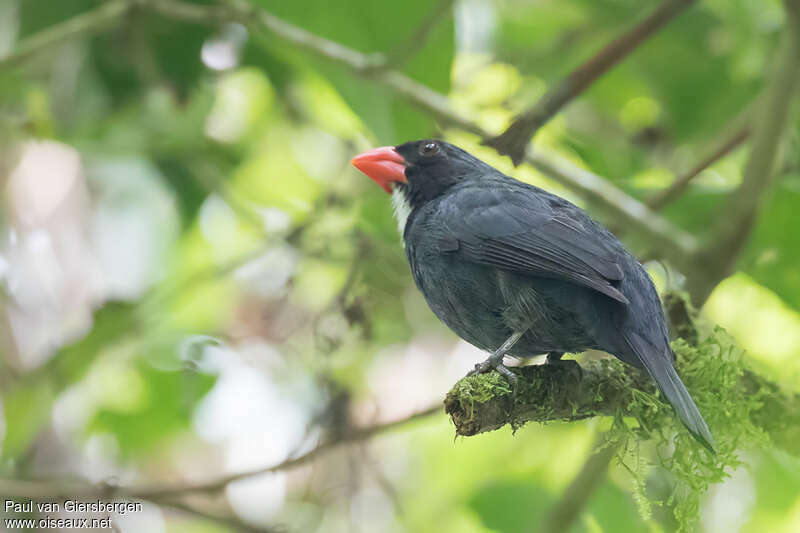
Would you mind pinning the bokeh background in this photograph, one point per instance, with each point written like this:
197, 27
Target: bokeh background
196, 283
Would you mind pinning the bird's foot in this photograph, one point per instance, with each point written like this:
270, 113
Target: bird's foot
494, 362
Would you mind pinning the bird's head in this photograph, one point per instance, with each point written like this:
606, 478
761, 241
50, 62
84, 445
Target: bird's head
425, 168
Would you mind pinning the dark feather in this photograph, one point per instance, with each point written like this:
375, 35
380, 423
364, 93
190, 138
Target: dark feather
495, 257
515, 229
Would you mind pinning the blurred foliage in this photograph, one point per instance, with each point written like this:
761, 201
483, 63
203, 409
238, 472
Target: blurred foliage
158, 404
233, 147
373, 27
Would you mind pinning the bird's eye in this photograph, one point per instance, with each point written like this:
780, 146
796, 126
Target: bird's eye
428, 149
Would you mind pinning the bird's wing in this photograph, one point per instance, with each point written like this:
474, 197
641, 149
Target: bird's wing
526, 230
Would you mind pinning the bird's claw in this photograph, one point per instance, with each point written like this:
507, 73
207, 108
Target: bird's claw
494, 363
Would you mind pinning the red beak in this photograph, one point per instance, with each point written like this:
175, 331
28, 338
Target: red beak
384, 165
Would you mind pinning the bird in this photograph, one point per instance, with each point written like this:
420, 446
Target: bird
516, 270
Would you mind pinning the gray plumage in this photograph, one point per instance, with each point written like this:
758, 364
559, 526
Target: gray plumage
493, 256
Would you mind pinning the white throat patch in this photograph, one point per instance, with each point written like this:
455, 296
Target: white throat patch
401, 208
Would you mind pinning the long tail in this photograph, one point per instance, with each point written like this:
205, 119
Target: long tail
663, 373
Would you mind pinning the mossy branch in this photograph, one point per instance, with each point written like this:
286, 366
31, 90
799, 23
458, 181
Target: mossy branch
562, 391
608, 387
744, 410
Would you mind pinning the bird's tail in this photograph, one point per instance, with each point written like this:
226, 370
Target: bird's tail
663, 373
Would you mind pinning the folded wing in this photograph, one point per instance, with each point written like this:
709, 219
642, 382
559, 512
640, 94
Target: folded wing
516, 228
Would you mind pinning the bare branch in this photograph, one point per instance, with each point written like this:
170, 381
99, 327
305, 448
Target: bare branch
662, 198
514, 140
731, 232
172, 496
89, 21
677, 244
56, 489
357, 434
228, 521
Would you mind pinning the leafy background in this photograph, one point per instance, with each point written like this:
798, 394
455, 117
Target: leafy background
196, 282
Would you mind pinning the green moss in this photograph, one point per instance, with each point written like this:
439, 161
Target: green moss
477, 389
481, 388
743, 410
713, 371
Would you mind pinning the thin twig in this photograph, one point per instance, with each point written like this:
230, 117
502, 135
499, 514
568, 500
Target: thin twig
89, 21
662, 198
55, 489
43, 489
513, 141
357, 434
731, 231
676, 244
228, 521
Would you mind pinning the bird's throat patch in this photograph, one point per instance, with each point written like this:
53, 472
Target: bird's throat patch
401, 208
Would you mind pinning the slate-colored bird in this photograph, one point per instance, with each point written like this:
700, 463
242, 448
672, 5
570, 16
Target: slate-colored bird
516, 270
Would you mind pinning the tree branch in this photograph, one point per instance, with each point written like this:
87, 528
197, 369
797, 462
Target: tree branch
48, 490
566, 392
358, 434
676, 244
604, 387
732, 230
513, 141
231, 521
85, 22
171, 495
677, 187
